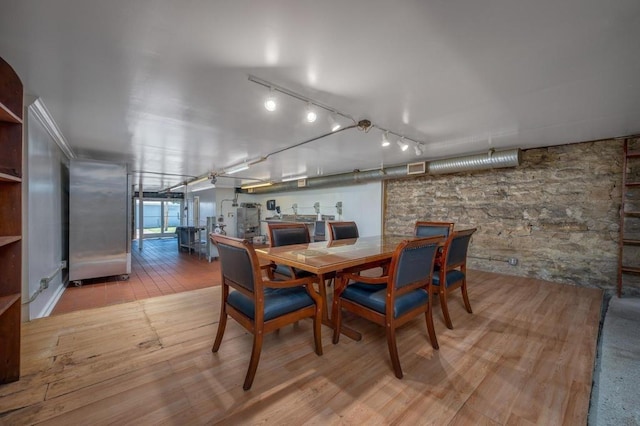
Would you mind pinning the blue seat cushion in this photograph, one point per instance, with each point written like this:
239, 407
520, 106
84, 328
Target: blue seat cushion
452, 277
374, 297
277, 301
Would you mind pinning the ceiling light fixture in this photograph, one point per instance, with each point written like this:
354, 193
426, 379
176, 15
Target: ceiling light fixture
364, 124
311, 114
270, 104
385, 139
256, 185
290, 178
237, 168
310, 102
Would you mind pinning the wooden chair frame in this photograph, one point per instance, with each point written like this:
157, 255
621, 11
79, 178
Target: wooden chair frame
446, 265
258, 326
387, 319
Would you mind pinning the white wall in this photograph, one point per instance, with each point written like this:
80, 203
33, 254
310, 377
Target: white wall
46, 208
361, 203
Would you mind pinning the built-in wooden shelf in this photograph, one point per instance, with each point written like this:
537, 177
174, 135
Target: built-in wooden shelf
634, 154
9, 178
8, 239
631, 269
11, 149
632, 213
631, 242
632, 184
7, 115
7, 301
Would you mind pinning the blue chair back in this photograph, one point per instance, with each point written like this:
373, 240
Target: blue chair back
236, 266
432, 229
415, 263
343, 230
458, 247
290, 235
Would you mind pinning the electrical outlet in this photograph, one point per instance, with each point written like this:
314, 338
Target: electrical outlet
229, 214
513, 261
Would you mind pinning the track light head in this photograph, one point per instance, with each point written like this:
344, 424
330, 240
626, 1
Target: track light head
418, 149
402, 144
311, 114
270, 104
385, 139
334, 123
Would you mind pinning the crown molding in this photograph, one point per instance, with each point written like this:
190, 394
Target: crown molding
41, 112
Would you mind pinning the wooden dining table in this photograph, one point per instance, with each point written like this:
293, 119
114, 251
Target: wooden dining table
326, 258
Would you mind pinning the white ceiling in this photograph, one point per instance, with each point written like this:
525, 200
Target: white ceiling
163, 85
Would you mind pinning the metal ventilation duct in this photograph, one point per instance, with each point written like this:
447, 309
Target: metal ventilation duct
490, 160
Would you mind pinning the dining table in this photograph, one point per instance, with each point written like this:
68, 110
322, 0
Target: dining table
326, 258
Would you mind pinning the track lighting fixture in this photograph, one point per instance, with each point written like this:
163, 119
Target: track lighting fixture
270, 104
385, 139
310, 114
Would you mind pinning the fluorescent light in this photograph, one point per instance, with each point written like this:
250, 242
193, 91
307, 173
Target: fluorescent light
236, 169
203, 188
202, 179
289, 179
176, 188
256, 185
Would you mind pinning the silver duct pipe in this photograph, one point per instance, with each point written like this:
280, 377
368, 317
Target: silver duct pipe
491, 160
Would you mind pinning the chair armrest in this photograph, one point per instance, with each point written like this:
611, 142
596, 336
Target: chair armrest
365, 279
289, 283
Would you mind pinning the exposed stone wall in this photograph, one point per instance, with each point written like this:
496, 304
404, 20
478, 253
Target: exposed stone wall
557, 213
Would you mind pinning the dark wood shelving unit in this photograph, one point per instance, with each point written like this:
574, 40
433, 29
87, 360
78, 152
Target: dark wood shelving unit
11, 108
628, 262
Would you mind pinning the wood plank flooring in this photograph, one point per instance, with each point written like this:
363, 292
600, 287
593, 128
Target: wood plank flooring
157, 270
525, 356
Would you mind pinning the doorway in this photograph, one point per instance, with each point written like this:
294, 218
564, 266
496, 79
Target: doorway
160, 218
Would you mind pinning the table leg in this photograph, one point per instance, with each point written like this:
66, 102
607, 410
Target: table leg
326, 319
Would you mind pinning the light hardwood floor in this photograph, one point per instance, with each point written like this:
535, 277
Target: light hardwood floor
524, 357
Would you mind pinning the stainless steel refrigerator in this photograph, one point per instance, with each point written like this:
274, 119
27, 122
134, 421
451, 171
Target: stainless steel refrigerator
99, 220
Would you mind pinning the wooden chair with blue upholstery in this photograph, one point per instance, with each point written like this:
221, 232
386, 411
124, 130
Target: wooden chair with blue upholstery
425, 228
394, 299
452, 273
258, 304
343, 230
284, 234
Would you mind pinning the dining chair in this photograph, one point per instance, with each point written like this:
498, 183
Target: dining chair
394, 299
284, 234
424, 228
452, 272
258, 304
342, 230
